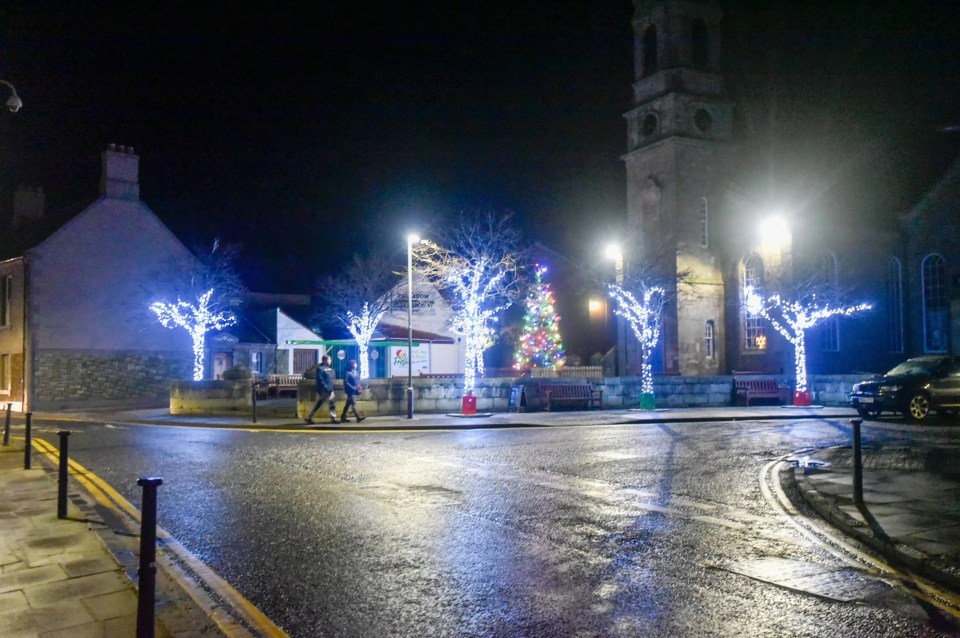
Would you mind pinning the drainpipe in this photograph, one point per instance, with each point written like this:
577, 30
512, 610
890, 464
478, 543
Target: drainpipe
26, 402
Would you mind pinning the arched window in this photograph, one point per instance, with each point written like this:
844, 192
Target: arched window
698, 37
753, 337
830, 328
650, 50
704, 223
709, 344
935, 315
895, 305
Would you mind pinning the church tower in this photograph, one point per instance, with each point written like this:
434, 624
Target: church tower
678, 134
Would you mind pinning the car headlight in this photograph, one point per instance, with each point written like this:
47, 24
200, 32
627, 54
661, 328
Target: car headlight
890, 388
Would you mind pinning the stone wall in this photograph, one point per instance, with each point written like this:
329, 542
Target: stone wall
387, 396
211, 397
77, 378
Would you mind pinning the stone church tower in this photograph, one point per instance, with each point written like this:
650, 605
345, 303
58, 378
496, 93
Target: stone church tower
678, 139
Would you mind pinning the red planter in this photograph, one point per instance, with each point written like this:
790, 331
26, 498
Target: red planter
801, 398
469, 404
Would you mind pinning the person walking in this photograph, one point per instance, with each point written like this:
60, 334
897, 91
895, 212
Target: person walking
324, 391
351, 387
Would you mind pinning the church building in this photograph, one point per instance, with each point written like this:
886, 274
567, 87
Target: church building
693, 231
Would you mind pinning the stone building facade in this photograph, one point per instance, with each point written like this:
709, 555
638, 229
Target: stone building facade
79, 331
690, 226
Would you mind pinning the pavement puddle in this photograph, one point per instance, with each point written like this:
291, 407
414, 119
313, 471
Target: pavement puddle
834, 583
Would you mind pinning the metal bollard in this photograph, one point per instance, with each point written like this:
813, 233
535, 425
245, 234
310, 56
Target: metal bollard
857, 463
6, 426
147, 574
28, 443
254, 396
62, 478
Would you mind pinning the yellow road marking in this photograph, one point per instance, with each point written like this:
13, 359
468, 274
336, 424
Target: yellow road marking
104, 494
925, 590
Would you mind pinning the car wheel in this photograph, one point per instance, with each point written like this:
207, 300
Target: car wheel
918, 407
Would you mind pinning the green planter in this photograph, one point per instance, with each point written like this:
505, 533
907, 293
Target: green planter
647, 402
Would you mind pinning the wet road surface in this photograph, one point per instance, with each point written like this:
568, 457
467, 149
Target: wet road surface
641, 530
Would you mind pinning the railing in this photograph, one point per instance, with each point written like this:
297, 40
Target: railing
589, 372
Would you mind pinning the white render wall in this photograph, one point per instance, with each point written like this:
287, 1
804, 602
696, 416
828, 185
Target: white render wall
90, 281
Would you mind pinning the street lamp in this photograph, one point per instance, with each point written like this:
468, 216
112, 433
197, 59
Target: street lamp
411, 240
613, 252
14, 103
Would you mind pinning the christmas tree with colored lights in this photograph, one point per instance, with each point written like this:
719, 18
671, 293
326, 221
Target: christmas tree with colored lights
539, 345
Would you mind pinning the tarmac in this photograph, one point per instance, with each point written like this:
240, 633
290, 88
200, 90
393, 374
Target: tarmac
76, 577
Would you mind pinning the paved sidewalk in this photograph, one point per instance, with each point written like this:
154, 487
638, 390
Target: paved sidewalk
58, 578
911, 512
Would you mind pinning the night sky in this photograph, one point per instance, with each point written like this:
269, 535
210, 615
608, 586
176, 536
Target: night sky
307, 132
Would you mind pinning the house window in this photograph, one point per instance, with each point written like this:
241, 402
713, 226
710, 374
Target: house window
704, 223
830, 329
895, 305
650, 50
6, 287
5, 374
698, 34
935, 319
709, 345
256, 362
754, 339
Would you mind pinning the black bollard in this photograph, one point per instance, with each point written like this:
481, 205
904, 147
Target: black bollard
857, 463
254, 397
28, 443
147, 574
62, 478
6, 426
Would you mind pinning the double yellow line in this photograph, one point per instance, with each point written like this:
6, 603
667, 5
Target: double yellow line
176, 560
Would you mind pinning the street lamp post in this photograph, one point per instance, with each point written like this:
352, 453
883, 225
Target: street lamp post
14, 103
613, 252
411, 240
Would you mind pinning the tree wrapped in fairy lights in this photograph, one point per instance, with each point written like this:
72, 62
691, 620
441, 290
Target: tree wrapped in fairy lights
644, 316
197, 320
479, 264
211, 281
357, 298
540, 345
793, 318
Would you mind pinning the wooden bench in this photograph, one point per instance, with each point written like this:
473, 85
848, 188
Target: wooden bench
280, 383
571, 393
751, 389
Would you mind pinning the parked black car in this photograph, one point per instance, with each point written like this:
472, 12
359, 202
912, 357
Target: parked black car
914, 388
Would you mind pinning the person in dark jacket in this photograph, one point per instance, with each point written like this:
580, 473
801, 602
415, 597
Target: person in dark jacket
351, 387
324, 391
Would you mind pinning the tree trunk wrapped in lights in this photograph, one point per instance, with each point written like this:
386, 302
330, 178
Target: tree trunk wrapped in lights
643, 315
197, 320
479, 265
361, 326
792, 319
357, 299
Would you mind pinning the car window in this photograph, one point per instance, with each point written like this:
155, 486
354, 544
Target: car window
926, 365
